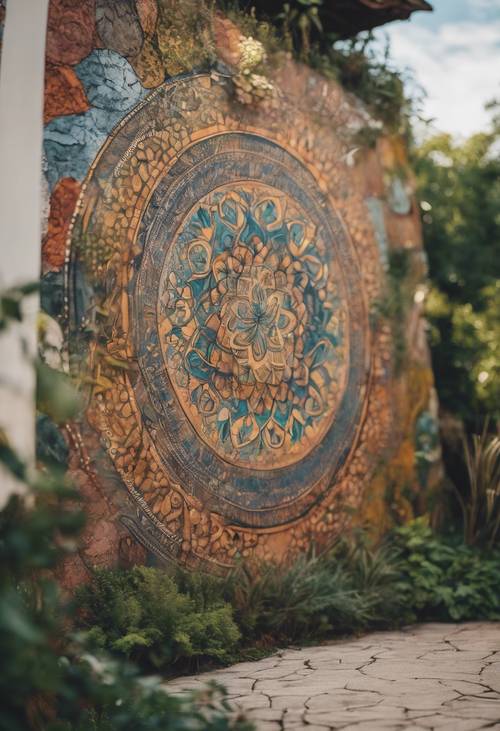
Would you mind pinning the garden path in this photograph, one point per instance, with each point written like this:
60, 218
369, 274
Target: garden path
430, 676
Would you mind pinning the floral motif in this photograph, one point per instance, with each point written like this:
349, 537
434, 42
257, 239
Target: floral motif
251, 326
257, 328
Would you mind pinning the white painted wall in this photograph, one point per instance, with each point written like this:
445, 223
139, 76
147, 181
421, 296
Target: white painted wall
21, 104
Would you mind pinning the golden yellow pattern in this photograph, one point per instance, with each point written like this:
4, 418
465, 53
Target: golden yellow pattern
170, 520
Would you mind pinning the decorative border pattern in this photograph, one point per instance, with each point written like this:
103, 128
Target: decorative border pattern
103, 250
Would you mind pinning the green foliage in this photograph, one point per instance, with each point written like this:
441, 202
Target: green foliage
358, 63
415, 575
107, 695
163, 621
143, 615
362, 69
445, 580
298, 22
481, 502
56, 395
11, 303
29, 607
292, 603
459, 184
342, 591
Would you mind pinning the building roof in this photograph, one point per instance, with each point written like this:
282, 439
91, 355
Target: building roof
346, 18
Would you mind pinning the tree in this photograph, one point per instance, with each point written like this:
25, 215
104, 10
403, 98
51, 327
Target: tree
459, 186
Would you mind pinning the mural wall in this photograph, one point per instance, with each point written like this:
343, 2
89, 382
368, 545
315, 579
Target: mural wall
220, 265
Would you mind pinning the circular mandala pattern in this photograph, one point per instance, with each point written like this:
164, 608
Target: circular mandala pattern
233, 379
247, 328
252, 326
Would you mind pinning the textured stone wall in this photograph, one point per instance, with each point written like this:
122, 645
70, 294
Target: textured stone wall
237, 281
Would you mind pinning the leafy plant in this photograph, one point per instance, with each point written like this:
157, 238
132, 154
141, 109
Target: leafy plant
445, 580
283, 603
481, 504
49, 681
298, 22
415, 575
362, 69
164, 621
342, 591
375, 571
143, 615
29, 606
459, 188
303, 27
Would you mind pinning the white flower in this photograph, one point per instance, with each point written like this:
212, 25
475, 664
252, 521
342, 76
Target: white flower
252, 53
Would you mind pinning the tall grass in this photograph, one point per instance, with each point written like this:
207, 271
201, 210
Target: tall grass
480, 505
345, 590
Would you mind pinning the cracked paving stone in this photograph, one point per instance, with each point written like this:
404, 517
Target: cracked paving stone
289, 702
450, 723
268, 714
432, 677
365, 715
253, 702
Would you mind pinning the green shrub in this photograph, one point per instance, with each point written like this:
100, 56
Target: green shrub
343, 591
417, 575
165, 621
480, 503
48, 681
288, 603
375, 571
459, 185
143, 615
110, 696
445, 580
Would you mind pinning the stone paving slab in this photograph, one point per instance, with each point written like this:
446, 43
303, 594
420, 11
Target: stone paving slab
432, 676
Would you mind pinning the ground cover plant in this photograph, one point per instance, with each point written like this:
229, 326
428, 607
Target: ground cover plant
446, 580
143, 615
415, 575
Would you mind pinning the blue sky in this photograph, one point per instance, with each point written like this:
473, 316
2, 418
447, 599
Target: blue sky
454, 54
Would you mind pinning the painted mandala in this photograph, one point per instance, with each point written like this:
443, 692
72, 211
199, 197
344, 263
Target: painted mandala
252, 326
230, 289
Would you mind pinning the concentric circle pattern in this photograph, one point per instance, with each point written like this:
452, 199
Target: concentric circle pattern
218, 295
245, 286
252, 327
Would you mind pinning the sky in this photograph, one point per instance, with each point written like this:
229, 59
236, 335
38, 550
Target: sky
454, 54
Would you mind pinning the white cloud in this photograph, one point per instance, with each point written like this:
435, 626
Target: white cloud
458, 64
484, 5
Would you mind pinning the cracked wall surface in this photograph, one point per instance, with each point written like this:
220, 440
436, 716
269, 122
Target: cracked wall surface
433, 677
